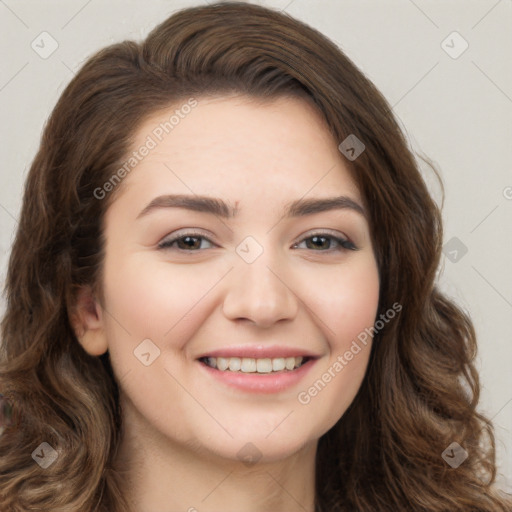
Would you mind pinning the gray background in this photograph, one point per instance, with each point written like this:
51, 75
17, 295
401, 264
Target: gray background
455, 108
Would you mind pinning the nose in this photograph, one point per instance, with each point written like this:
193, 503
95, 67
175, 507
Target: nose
260, 293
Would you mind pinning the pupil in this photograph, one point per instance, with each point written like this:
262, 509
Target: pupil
315, 240
189, 241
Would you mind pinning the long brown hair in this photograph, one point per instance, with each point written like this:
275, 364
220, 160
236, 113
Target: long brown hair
421, 388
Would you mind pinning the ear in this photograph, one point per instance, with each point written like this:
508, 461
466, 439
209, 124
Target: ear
88, 322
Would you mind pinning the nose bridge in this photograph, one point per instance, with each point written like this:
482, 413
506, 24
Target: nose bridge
258, 289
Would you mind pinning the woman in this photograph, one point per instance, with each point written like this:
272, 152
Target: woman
222, 296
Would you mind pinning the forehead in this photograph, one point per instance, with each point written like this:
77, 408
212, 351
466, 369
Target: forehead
238, 146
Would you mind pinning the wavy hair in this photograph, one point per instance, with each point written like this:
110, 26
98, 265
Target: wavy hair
421, 388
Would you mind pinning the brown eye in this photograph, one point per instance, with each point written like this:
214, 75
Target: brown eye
186, 242
323, 242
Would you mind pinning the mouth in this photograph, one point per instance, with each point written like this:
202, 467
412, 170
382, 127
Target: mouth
261, 366
262, 369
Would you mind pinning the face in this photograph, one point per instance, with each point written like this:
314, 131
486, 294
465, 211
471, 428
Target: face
230, 313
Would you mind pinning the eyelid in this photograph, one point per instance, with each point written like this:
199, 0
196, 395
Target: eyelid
340, 238
324, 231
176, 235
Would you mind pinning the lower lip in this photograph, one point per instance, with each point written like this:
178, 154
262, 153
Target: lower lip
260, 382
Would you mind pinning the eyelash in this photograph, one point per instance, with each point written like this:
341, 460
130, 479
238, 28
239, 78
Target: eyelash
343, 243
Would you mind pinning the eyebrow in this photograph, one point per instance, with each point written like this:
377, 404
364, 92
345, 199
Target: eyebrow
220, 208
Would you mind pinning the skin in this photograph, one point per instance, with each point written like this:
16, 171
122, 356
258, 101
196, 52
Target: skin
184, 429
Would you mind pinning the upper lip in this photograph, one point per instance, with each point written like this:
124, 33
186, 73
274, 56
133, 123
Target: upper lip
259, 352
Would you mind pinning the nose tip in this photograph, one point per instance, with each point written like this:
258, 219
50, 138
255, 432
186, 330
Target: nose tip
259, 294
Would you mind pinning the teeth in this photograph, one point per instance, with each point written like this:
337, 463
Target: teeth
251, 365
278, 364
289, 362
248, 365
235, 363
222, 363
263, 365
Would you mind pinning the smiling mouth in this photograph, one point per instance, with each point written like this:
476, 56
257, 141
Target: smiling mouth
255, 366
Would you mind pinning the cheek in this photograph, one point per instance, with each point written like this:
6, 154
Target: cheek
154, 300
350, 303
347, 313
